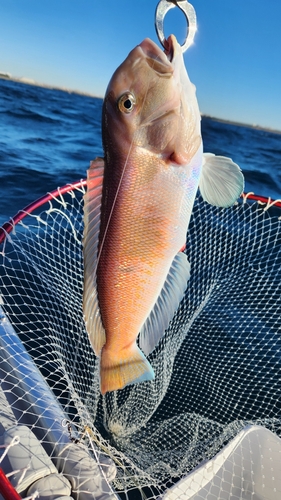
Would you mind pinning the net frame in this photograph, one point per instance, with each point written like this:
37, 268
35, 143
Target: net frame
6, 488
8, 226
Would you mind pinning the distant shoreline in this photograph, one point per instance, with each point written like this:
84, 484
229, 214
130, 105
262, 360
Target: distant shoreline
241, 124
26, 81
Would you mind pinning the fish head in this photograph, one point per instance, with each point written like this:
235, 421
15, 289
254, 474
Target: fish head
150, 103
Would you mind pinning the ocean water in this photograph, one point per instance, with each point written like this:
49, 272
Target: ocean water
48, 137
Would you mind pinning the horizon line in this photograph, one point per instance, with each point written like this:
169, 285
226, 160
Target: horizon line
28, 81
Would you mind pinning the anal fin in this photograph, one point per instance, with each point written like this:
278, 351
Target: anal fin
166, 304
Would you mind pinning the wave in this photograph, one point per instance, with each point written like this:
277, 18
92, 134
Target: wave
28, 114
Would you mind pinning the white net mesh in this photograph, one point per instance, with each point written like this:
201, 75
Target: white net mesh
217, 368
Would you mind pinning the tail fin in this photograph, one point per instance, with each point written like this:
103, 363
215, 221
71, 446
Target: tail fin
116, 372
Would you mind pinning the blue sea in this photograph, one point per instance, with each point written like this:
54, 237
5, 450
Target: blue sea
49, 136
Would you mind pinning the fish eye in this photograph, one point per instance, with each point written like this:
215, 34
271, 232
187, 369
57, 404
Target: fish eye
126, 102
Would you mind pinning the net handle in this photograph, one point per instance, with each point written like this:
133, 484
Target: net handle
8, 226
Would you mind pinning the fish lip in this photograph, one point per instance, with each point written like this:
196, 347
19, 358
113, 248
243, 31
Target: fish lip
171, 46
155, 57
166, 60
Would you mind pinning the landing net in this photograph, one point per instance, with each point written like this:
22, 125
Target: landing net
217, 369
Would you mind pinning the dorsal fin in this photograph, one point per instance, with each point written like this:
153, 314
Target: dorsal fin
92, 210
166, 304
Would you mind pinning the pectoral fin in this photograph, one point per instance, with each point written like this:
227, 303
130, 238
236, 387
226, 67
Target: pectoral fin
221, 181
166, 304
92, 209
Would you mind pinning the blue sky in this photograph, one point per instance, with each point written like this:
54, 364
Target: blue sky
235, 61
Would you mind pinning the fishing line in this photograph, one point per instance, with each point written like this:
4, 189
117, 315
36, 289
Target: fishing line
133, 291
120, 182
162, 8
123, 171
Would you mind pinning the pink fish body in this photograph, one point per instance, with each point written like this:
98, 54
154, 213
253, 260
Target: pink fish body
137, 210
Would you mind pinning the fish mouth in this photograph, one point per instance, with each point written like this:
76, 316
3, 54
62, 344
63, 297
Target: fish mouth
166, 64
160, 61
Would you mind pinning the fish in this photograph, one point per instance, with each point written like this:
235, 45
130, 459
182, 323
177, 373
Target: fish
137, 209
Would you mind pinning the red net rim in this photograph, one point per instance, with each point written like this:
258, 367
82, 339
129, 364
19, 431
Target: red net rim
6, 488
8, 226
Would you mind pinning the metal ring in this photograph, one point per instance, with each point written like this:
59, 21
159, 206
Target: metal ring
161, 10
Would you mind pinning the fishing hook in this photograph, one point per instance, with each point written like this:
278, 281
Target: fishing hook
161, 10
